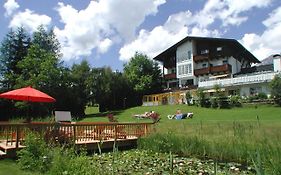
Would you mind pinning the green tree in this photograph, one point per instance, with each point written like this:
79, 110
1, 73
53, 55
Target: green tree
13, 49
143, 75
188, 97
201, 98
110, 89
101, 87
275, 85
41, 68
80, 75
47, 40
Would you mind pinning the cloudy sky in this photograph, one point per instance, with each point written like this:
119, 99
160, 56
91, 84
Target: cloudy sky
109, 32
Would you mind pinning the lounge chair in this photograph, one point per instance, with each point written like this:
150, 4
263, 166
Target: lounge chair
189, 115
142, 116
181, 116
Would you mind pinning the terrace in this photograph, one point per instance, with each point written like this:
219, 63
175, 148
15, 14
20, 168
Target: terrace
246, 79
90, 134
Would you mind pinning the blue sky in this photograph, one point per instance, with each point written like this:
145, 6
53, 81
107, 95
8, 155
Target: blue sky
109, 32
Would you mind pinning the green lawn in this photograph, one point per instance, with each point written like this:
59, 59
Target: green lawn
9, 166
206, 121
265, 113
254, 122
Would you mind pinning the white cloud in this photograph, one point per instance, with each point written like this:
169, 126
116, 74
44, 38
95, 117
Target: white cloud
104, 45
161, 37
29, 20
269, 41
101, 24
185, 23
228, 11
11, 6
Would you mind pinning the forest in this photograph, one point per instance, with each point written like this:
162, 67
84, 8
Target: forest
36, 60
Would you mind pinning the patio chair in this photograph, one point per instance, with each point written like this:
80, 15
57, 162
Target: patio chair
63, 116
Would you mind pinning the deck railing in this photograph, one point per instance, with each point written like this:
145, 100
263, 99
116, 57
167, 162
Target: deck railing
247, 79
15, 133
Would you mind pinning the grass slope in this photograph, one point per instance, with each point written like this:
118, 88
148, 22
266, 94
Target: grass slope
265, 113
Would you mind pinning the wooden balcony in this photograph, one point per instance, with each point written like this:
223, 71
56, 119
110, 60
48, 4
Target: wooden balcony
197, 58
202, 71
213, 69
221, 68
170, 76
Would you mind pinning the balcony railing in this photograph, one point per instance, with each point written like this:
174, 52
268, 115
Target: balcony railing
170, 76
202, 71
221, 68
213, 69
247, 79
198, 58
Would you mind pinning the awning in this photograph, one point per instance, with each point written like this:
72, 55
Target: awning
214, 90
219, 76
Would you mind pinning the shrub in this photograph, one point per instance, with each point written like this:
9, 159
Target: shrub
36, 156
188, 97
261, 96
235, 101
214, 102
68, 161
275, 85
201, 98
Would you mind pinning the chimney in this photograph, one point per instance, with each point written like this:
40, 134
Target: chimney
277, 62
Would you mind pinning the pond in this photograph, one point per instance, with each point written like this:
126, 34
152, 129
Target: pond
147, 162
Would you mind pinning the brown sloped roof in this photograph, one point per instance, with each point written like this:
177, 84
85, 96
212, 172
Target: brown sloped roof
240, 50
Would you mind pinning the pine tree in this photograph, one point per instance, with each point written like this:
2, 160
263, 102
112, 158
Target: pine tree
13, 49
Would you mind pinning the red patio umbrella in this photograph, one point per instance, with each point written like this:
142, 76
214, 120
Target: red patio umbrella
28, 94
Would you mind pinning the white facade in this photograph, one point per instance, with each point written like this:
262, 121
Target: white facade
236, 65
184, 64
277, 63
246, 84
212, 67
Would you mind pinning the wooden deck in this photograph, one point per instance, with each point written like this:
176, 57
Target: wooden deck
84, 135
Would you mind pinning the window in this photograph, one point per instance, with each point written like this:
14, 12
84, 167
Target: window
204, 65
224, 61
219, 49
234, 92
255, 90
189, 55
171, 70
205, 51
184, 69
189, 68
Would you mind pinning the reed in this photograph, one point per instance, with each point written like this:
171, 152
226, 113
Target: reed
249, 143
